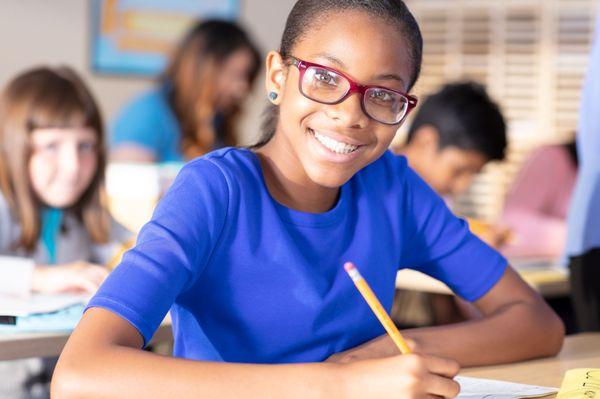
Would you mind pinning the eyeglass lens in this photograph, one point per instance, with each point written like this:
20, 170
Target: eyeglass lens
328, 87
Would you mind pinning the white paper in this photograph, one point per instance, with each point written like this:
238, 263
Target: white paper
473, 388
38, 303
15, 275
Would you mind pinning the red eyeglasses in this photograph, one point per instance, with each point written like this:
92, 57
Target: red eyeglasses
327, 86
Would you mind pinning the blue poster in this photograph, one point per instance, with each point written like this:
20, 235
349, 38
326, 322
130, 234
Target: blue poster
136, 36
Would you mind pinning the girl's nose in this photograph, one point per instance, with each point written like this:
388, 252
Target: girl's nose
69, 160
349, 113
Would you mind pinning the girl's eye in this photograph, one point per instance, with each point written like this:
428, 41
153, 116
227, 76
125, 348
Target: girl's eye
381, 95
48, 148
86, 147
326, 77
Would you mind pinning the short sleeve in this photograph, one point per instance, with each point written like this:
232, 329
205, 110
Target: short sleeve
441, 245
171, 250
141, 122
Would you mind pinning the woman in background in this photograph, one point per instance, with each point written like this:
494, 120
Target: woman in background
194, 107
536, 207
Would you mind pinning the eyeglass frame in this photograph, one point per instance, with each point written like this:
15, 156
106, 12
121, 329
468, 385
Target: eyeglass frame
354, 87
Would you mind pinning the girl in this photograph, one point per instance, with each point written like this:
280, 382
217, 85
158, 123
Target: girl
248, 245
55, 235
51, 174
194, 108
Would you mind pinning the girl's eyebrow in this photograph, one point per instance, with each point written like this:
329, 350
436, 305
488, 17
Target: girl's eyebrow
340, 64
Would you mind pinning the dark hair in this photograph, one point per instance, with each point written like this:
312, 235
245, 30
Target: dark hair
47, 98
307, 12
465, 117
191, 75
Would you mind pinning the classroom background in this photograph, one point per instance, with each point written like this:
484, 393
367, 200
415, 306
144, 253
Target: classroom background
531, 55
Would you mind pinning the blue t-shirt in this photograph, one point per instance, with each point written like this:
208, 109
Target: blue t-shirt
249, 280
149, 121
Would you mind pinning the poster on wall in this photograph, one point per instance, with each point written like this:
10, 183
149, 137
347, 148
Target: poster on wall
135, 37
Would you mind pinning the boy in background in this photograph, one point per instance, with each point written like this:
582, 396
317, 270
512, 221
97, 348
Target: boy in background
454, 134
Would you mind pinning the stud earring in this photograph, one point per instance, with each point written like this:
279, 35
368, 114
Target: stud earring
272, 96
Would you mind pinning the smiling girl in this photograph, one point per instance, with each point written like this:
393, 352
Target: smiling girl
52, 222
247, 247
55, 235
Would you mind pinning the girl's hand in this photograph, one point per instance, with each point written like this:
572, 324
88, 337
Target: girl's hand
76, 277
379, 347
402, 376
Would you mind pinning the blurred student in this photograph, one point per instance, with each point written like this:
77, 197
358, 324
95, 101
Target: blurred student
455, 133
55, 234
536, 207
583, 236
194, 107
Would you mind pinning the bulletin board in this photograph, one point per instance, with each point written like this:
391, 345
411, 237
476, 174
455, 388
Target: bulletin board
135, 37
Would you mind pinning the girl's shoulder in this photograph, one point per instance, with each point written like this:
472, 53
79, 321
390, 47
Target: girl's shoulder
153, 99
234, 165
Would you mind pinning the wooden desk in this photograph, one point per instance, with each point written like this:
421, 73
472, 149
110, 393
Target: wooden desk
550, 282
581, 350
24, 345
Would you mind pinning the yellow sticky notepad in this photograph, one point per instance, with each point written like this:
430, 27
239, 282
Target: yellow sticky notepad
580, 383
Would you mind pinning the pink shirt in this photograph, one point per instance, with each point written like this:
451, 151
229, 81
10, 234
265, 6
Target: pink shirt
536, 207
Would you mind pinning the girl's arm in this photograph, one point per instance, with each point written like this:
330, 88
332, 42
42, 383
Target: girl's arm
102, 359
516, 325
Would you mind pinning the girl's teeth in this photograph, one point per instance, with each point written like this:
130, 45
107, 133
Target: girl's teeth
334, 145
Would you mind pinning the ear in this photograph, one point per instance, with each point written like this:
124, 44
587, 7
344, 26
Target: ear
275, 75
426, 139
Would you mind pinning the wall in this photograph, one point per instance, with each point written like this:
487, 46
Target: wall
34, 32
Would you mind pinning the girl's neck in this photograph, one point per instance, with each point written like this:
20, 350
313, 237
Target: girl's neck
289, 185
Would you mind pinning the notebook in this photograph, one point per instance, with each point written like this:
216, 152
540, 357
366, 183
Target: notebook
476, 388
580, 383
63, 320
38, 303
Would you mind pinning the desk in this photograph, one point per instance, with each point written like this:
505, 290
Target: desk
581, 350
549, 282
39, 344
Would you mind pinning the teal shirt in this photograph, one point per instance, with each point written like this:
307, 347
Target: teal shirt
149, 121
51, 224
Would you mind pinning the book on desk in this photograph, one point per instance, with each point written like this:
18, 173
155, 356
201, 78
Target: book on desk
41, 312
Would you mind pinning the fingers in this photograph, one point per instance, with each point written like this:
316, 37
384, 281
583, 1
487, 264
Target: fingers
441, 366
80, 277
442, 386
97, 274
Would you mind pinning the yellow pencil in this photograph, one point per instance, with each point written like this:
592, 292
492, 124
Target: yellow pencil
376, 307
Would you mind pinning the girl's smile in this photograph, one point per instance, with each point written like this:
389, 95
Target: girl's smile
334, 147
